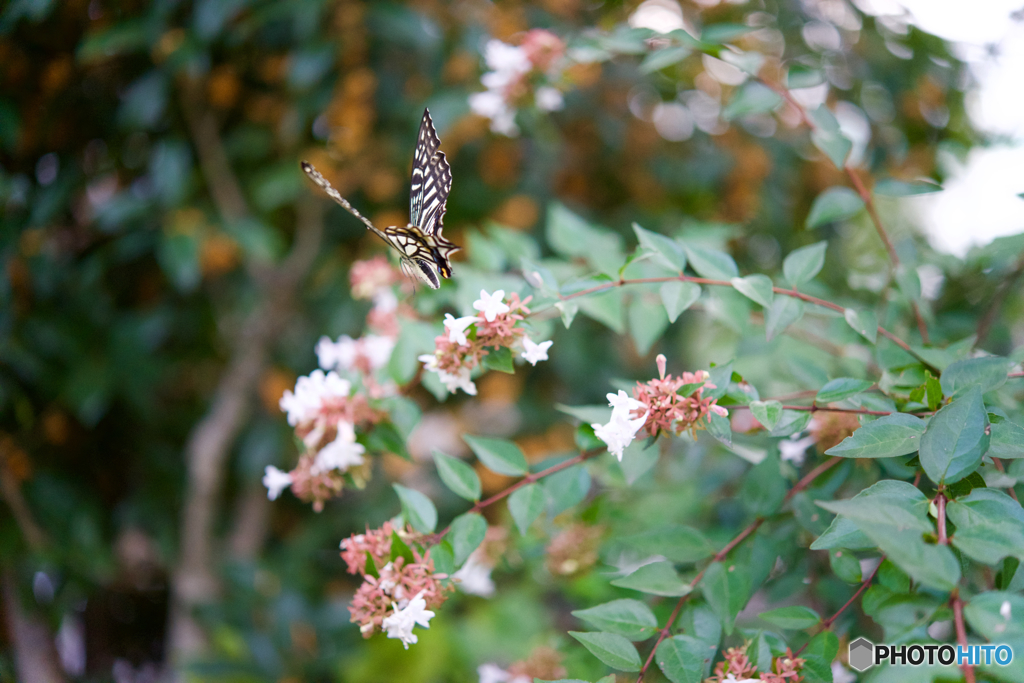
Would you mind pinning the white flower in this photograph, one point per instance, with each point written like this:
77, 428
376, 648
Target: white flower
429, 361
384, 300
1005, 610
310, 394
377, 349
791, 450
488, 104
276, 481
400, 624
450, 381
840, 674
491, 304
492, 673
534, 352
549, 99
621, 429
457, 328
731, 678
339, 354
506, 58
474, 577
340, 454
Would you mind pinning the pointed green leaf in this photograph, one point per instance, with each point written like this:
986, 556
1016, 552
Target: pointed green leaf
417, 508
827, 137
989, 526
785, 311
988, 373
819, 655
647, 322
467, 534
886, 437
1007, 440
803, 264
840, 388
667, 251
678, 296
525, 505
956, 438
711, 263
457, 476
675, 543
726, 587
500, 359
568, 310
890, 187
795, 618
757, 288
753, 97
832, 205
864, 323
659, 59
630, 619
605, 308
498, 455
684, 659
656, 578
766, 412
610, 648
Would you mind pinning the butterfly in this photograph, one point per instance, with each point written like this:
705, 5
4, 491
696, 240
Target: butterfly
421, 247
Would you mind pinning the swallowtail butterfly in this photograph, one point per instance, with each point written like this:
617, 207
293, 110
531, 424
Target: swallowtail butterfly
422, 248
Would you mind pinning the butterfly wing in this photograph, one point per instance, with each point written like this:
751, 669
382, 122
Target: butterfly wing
431, 180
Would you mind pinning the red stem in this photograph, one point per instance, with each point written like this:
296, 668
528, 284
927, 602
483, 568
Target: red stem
827, 624
961, 633
1009, 489
940, 502
817, 409
721, 554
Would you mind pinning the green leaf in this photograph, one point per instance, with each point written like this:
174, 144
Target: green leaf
443, 557
845, 565
840, 388
587, 414
666, 250
792, 422
498, 455
605, 308
457, 476
909, 282
656, 578
890, 187
985, 614
753, 97
864, 323
630, 619
956, 439
678, 296
417, 508
842, 533
398, 549
785, 311
719, 34
566, 489
764, 488
989, 526
659, 59
988, 373
568, 310
610, 648
571, 235
721, 428
1007, 440
500, 359
766, 412
827, 137
676, 543
795, 618
684, 659
833, 205
818, 657
799, 76
525, 505
726, 589
803, 264
647, 322
757, 288
711, 263
637, 459
467, 534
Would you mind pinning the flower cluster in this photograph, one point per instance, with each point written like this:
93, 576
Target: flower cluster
517, 75
327, 409
399, 583
622, 428
544, 663
672, 412
467, 340
736, 667
574, 550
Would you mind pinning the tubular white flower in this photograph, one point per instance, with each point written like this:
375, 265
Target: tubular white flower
340, 454
623, 404
339, 354
506, 58
621, 429
793, 451
276, 481
549, 99
457, 327
459, 381
310, 394
491, 304
400, 624
533, 352
377, 349
474, 577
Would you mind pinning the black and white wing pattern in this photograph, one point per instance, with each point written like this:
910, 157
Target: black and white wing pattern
431, 180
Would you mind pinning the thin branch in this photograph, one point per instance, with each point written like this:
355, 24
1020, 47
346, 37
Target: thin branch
827, 624
817, 409
528, 479
961, 632
35, 656
940, 503
721, 555
1009, 489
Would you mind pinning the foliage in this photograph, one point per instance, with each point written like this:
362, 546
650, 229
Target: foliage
826, 402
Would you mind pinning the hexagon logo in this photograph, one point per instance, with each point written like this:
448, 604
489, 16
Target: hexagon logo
862, 654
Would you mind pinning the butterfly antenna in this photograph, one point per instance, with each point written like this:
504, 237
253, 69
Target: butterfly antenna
326, 186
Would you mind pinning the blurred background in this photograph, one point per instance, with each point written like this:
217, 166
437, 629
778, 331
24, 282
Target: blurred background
167, 270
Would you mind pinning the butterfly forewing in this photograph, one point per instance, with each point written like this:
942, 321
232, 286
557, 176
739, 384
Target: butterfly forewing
431, 180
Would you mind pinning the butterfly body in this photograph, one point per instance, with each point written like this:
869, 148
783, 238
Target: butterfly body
422, 249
